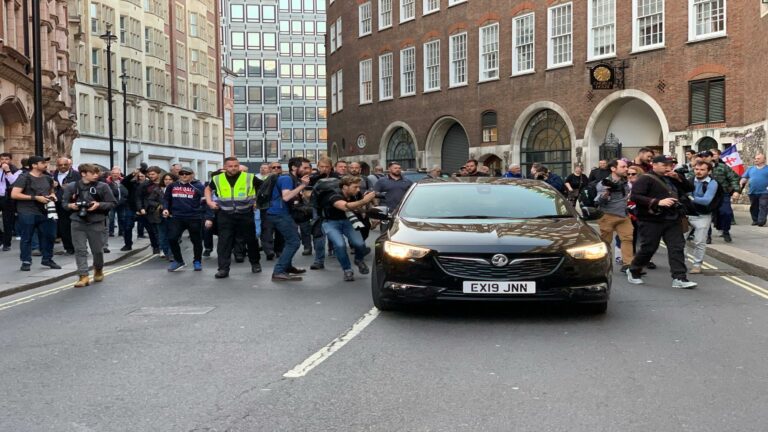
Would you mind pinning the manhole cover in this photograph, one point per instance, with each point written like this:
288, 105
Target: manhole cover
172, 310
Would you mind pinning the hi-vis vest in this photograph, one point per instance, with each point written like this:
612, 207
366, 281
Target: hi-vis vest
239, 199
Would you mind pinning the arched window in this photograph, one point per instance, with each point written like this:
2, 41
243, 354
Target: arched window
490, 130
546, 140
400, 149
707, 143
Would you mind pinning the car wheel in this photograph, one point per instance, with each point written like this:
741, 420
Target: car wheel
378, 300
594, 308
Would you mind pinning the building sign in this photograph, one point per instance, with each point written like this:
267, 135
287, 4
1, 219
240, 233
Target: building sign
602, 77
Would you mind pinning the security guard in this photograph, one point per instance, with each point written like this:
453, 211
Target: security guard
232, 195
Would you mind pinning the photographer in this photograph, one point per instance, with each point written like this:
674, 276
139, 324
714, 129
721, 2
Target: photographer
552, 179
340, 221
660, 214
612, 195
89, 202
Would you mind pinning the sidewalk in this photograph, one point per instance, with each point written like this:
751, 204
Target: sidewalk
748, 250
16, 280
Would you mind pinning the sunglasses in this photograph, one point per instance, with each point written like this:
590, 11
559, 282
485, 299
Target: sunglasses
275, 168
631, 174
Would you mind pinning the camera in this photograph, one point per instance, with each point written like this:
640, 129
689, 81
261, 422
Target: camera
609, 183
682, 170
356, 224
380, 195
82, 208
50, 210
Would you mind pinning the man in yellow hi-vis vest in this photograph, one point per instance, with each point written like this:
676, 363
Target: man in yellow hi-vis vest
232, 195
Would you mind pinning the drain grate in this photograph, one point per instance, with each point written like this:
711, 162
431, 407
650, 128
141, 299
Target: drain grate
172, 310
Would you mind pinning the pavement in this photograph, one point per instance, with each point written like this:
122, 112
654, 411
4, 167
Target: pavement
748, 249
146, 350
16, 281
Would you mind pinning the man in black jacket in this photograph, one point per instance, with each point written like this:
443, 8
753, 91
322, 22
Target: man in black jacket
63, 176
8, 175
660, 212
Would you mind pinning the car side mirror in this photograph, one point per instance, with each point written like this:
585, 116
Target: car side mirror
379, 213
591, 213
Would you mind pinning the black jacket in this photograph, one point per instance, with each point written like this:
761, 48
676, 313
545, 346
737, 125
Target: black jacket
71, 177
651, 188
149, 197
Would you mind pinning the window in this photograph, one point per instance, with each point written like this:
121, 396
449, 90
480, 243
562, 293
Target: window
270, 95
333, 37
559, 27
240, 148
255, 149
311, 114
647, 24
193, 28
254, 40
296, 27
285, 92
385, 14
407, 10
385, 76
270, 68
523, 44
270, 121
95, 65
298, 92
431, 6
707, 19
254, 68
364, 11
432, 66
366, 81
252, 13
254, 121
238, 94
334, 94
457, 45
268, 14
310, 92
309, 27
489, 52
238, 40
238, 66
254, 94
269, 41
408, 72
490, 131
707, 101
298, 113
601, 41
338, 33
241, 122
455, 2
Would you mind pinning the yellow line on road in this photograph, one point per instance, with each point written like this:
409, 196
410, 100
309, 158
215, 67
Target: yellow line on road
33, 297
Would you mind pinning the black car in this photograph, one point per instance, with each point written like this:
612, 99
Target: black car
489, 239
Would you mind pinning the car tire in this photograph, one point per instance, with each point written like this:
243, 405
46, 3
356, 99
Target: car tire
378, 300
594, 308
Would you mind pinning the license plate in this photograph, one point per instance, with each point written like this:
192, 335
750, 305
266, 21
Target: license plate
491, 287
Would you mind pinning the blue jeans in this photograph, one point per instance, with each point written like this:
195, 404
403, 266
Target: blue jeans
162, 236
336, 230
758, 208
285, 225
46, 231
127, 221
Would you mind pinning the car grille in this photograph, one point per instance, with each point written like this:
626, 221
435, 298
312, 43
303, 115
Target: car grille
476, 268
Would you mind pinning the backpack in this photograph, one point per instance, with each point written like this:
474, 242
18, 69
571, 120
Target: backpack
588, 194
323, 189
264, 196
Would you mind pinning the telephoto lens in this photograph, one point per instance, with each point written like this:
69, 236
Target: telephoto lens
50, 208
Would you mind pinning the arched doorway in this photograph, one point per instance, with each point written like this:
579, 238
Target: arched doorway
706, 143
494, 165
334, 152
401, 149
546, 140
455, 149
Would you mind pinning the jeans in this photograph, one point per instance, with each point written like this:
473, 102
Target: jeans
83, 235
45, 228
176, 228
700, 225
163, 229
111, 221
285, 225
271, 239
758, 208
129, 216
650, 235
336, 230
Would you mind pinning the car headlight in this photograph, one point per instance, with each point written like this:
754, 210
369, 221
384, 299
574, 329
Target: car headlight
590, 252
404, 251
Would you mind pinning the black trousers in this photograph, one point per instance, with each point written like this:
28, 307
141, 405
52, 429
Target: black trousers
271, 238
231, 225
8, 207
176, 228
64, 226
650, 235
208, 238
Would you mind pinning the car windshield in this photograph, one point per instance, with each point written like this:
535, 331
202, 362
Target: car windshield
485, 201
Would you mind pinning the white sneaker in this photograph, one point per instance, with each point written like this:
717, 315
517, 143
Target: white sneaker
683, 283
633, 280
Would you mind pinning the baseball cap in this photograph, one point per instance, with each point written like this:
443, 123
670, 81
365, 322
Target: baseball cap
663, 159
35, 159
186, 169
705, 153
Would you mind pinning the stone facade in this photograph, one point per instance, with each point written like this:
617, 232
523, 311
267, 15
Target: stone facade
17, 134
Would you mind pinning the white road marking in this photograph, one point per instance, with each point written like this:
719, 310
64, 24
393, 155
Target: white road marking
325, 352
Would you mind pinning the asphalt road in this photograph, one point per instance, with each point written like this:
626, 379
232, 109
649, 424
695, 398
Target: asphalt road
151, 351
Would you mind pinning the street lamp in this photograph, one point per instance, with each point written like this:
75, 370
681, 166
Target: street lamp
124, 80
37, 50
108, 37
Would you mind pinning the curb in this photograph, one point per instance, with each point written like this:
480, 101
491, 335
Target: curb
744, 264
33, 285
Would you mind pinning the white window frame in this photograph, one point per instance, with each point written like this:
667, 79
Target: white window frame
411, 4
456, 62
410, 51
365, 19
334, 93
332, 38
515, 58
366, 81
432, 71
427, 10
591, 37
550, 48
338, 32
488, 74
340, 89
385, 13
386, 79
455, 2
636, 29
692, 36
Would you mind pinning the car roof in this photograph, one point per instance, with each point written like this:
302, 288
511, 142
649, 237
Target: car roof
480, 180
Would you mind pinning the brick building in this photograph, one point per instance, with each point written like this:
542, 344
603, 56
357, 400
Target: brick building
433, 82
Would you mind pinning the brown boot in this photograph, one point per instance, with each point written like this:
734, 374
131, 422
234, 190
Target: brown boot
98, 275
83, 282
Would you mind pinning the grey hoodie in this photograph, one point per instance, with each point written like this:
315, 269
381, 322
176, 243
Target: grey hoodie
78, 191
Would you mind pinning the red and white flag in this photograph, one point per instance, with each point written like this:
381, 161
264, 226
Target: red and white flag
731, 158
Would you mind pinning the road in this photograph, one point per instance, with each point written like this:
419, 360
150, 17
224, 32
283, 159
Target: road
151, 351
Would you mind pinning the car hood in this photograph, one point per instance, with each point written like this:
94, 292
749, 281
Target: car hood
544, 236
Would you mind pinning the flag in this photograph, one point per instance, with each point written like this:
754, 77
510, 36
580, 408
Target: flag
731, 158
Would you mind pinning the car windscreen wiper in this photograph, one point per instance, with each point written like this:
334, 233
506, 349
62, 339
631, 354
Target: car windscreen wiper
552, 217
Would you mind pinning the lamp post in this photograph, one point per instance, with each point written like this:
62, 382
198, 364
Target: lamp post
37, 72
108, 37
124, 80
